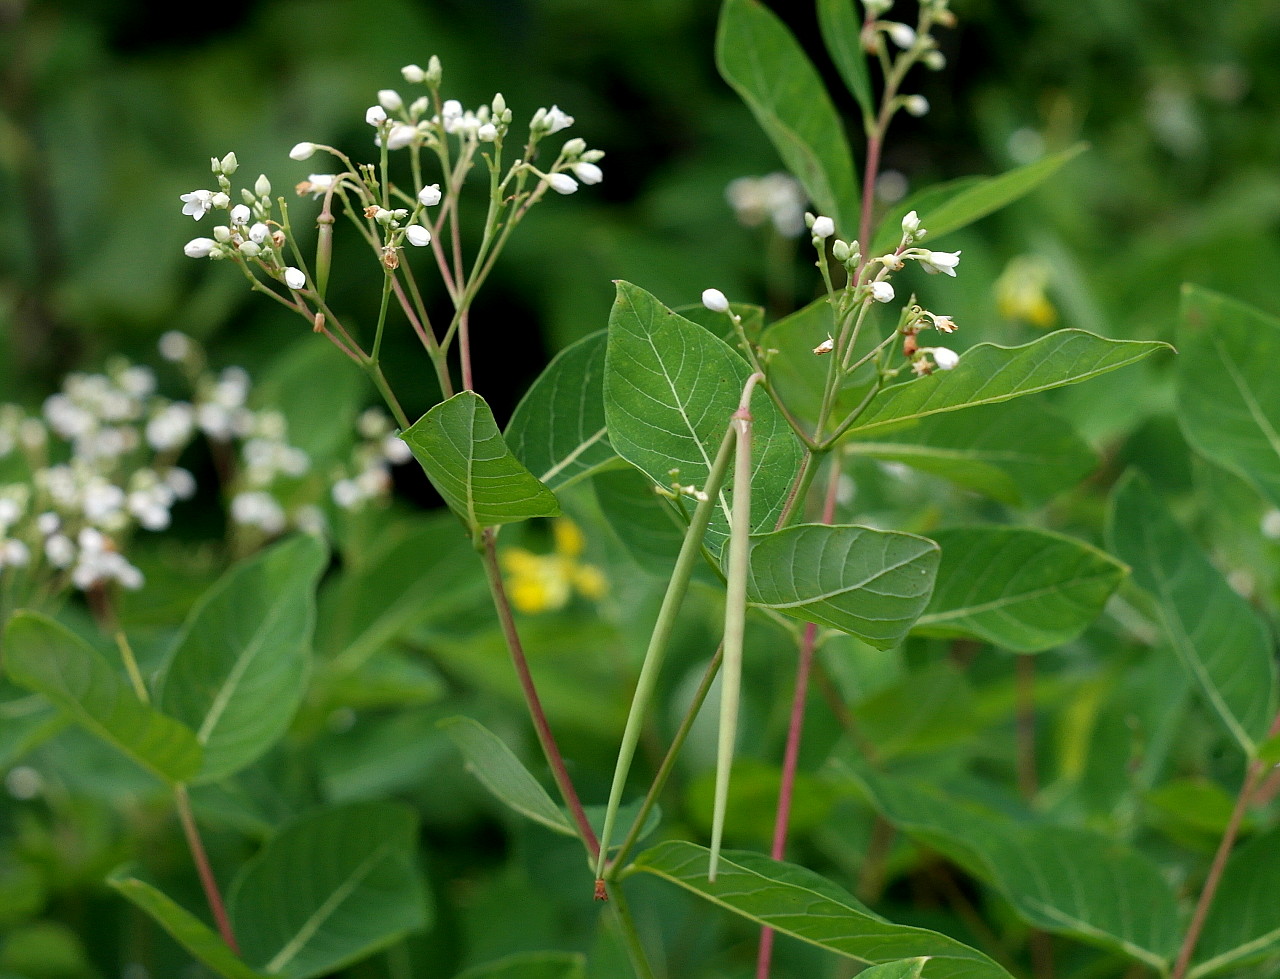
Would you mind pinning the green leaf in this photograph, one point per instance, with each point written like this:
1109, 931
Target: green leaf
794, 371
973, 201
1222, 643
1021, 589
1018, 454
1243, 925
842, 33
671, 389
184, 927
800, 903
44, 656
558, 428
501, 773
869, 583
1228, 399
318, 394
531, 965
459, 445
1269, 751
764, 64
906, 969
239, 666
329, 889
988, 373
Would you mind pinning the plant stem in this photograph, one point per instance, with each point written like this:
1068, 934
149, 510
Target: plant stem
1253, 776
210, 884
1025, 680
630, 936
550, 749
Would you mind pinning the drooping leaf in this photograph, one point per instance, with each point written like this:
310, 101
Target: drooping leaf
671, 389
869, 583
1219, 638
239, 666
1018, 454
1021, 589
328, 889
459, 446
842, 33
988, 373
531, 965
1228, 400
974, 200
48, 658
501, 773
1243, 925
797, 902
558, 429
765, 65
184, 927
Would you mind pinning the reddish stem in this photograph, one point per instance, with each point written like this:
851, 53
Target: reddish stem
201, 860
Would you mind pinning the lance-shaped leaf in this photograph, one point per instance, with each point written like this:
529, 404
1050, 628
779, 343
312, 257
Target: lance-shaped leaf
1022, 589
1018, 454
46, 657
797, 902
558, 428
842, 33
501, 773
328, 889
671, 389
183, 926
766, 66
988, 373
869, 583
1070, 881
1222, 643
459, 445
1244, 920
969, 200
1228, 398
239, 666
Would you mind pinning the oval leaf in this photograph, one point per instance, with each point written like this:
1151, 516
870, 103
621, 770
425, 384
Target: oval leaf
1222, 643
800, 903
1244, 920
869, 583
764, 64
239, 666
328, 889
988, 373
1228, 398
44, 656
1021, 589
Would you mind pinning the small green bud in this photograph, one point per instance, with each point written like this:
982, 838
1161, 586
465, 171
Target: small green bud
230, 164
262, 186
434, 71
499, 105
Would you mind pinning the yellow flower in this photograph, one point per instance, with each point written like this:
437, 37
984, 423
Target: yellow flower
545, 582
1020, 292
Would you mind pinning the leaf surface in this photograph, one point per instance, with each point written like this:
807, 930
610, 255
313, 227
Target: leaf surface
1243, 925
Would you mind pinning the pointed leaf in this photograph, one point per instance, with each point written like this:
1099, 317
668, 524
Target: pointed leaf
501, 773
458, 444
971, 200
328, 889
1244, 920
800, 903
842, 33
184, 927
1021, 589
869, 583
1222, 643
1228, 398
671, 389
764, 64
558, 428
988, 373
1019, 454
906, 969
531, 965
44, 656
239, 667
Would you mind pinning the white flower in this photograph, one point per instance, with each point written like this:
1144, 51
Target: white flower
588, 173
935, 262
902, 35
881, 292
715, 300
402, 134
777, 197
413, 74
302, 151
823, 227
48, 523
916, 105
174, 346
181, 482
943, 324
450, 115
258, 509
199, 247
390, 99
417, 235
396, 449
562, 183
549, 121
240, 214
429, 196
911, 225
487, 133
294, 278
59, 550
171, 427
197, 203
346, 494
943, 357
14, 553
375, 115
258, 233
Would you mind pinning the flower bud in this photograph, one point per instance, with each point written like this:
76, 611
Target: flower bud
250, 249
575, 147
262, 186
375, 115
715, 300
229, 164
199, 247
916, 105
934, 60
294, 278
219, 200
258, 233
302, 151
487, 133
413, 74
881, 291
562, 183
841, 251
498, 105
588, 173
417, 235
944, 358
823, 227
429, 196
222, 233
911, 225
240, 214
434, 71
401, 135
875, 8
390, 99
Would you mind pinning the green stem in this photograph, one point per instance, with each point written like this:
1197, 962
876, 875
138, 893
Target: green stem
630, 936
379, 379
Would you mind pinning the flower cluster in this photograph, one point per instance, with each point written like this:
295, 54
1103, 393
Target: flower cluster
904, 45
546, 582
775, 197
